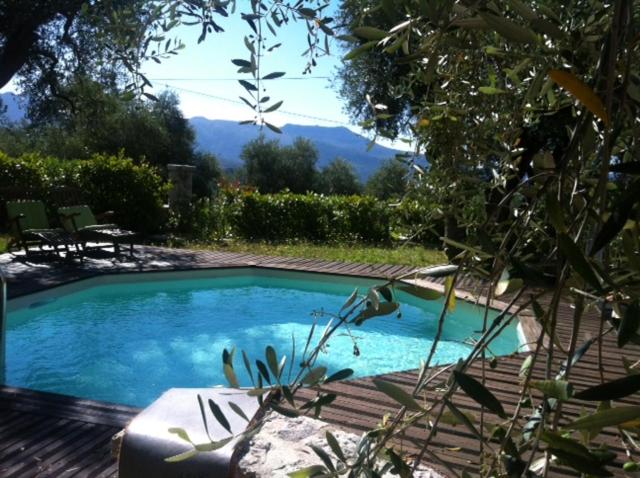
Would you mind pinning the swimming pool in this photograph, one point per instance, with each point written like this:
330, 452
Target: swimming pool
126, 338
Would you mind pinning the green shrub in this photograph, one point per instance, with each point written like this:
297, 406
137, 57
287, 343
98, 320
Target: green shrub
418, 221
206, 219
312, 217
134, 192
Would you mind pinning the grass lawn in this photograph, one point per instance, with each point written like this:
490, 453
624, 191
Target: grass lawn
401, 255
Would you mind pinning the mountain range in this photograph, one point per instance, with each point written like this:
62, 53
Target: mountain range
225, 140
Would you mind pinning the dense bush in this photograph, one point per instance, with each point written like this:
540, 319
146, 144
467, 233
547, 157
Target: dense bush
418, 221
134, 192
312, 217
207, 219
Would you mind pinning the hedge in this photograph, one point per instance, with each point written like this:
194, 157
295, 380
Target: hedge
419, 222
311, 217
134, 192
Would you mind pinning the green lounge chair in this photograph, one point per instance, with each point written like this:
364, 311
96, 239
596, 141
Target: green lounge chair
80, 221
30, 227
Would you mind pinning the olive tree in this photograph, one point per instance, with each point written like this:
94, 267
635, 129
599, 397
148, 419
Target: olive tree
538, 101
339, 177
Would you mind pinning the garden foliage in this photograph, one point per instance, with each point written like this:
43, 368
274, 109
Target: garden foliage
134, 192
313, 217
285, 217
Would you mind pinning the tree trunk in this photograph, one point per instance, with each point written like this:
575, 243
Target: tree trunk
454, 232
14, 55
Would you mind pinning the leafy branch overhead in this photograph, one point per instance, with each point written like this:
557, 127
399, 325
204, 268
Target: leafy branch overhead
264, 19
526, 113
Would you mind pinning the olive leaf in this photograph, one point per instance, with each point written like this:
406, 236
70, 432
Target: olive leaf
238, 411
462, 418
450, 292
182, 456
629, 324
314, 375
479, 393
369, 33
620, 213
560, 389
577, 260
397, 394
385, 308
230, 375
340, 375
355, 53
272, 360
508, 29
308, 472
352, 298
335, 446
613, 390
581, 92
219, 414
420, 292
606, 418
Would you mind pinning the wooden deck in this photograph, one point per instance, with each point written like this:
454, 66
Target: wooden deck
50, 435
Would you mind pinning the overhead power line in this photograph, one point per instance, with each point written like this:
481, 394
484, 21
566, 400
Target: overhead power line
230, 100
236, 79
236, 102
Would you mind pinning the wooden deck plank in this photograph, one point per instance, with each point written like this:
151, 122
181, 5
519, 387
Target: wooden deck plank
57, 442
28, 438
94, 444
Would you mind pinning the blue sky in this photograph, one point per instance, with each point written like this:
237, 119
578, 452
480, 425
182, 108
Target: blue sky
197, 74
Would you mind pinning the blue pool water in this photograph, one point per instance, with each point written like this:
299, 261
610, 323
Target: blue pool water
127, 342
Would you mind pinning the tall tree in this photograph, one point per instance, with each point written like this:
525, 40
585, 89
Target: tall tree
544, 97
46, 40
207, 175
271, 167
263, 165
362, 81
389, 181
93, 119
339, 177
299, 165
43, 42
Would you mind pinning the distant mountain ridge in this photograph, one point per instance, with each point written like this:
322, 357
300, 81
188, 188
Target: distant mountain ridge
226, 139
